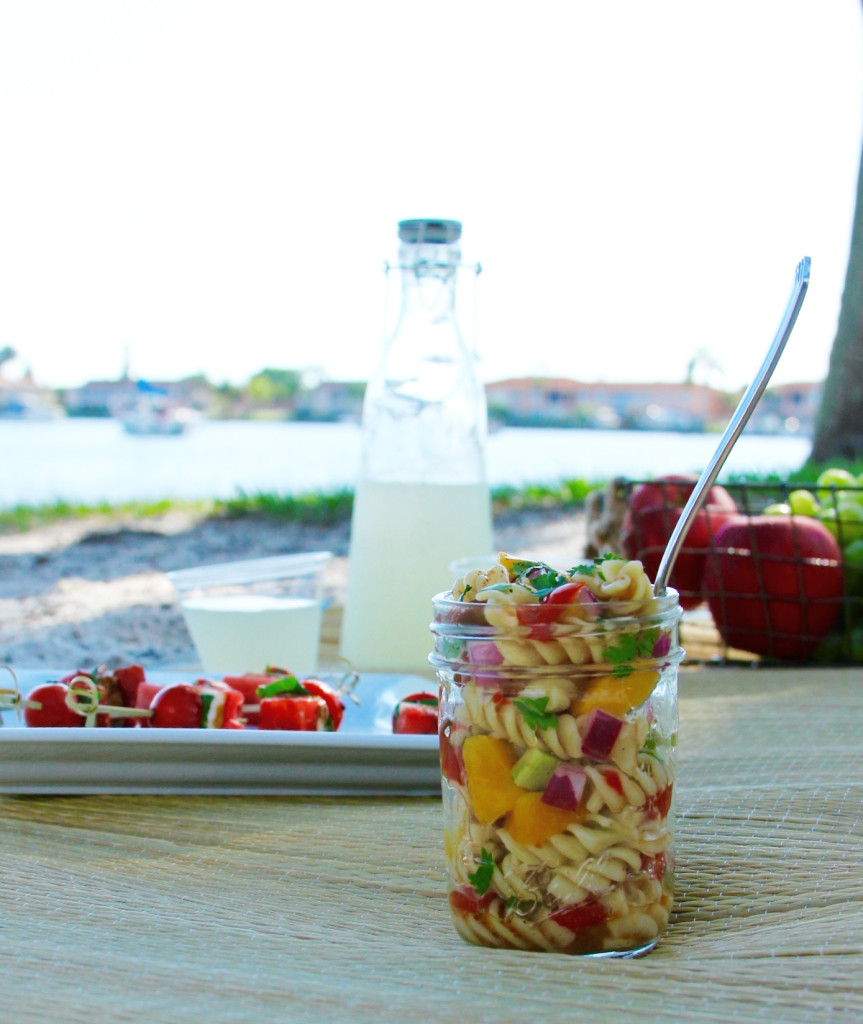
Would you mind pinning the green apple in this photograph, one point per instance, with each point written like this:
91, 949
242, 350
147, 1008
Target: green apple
803, 503
779, 509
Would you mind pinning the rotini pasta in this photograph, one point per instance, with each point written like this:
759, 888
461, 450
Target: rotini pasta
559, 707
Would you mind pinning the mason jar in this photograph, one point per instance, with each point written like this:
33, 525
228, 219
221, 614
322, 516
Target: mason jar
558, 764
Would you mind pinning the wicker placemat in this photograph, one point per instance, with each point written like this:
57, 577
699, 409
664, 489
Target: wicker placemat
279, 909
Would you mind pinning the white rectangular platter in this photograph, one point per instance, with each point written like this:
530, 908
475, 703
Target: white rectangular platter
362, 758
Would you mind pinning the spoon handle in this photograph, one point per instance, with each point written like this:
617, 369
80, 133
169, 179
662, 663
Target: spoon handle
735, 426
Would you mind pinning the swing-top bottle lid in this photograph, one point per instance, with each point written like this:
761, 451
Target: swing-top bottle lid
417, 232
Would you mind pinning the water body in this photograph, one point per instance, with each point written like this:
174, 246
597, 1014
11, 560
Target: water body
91, 460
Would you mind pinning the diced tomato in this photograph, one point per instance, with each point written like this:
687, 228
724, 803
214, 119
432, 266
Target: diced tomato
468, 901
451, 761
587, 914
613, 779
659, 805
657, 866
297, 714
334, 703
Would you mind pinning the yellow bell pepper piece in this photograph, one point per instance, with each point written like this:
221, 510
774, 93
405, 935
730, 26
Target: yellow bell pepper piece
532, 822
616, 694
488, 764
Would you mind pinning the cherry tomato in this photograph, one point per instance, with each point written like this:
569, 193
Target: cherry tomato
416, 714
130, 678
54, 712
180, 706
566, 593
304, 714
587, 914
334, 703
539, 617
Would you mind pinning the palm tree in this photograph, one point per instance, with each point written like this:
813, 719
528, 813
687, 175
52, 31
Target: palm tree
839, 426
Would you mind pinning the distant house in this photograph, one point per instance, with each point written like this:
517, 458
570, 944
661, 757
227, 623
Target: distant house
788, 408
546, 401
26, 400
114, 397
331, 401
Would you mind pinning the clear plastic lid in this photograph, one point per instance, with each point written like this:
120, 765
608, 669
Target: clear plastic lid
253, 570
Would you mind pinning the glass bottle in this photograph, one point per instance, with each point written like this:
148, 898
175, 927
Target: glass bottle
422, 499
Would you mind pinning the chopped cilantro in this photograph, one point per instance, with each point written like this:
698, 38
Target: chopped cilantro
481, 878
631, 646
626, 649
533, 709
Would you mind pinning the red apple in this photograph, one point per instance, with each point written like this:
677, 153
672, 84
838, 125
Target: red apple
774, 584
654, 509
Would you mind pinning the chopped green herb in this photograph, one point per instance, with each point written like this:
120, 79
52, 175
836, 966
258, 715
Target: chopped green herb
451, 648
287, 685
520, 567
481, 878
625, 650
649, 745
533, 709
631, 646
206, 701
516, 906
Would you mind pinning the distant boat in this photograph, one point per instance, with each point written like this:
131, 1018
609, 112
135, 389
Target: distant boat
154, 413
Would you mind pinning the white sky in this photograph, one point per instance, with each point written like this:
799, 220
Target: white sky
216, 183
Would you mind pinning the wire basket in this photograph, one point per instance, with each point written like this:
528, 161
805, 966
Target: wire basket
770, 590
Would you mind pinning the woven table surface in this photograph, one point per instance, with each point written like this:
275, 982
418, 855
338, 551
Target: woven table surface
217, 909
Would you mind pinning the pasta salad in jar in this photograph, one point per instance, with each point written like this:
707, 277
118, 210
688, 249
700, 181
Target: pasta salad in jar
558, 727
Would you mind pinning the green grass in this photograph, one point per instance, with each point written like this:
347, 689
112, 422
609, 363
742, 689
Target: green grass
28, 517
328, 509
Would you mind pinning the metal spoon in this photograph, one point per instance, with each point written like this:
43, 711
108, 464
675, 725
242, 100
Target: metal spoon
733, 430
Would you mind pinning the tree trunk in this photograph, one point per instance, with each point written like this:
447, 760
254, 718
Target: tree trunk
839, 427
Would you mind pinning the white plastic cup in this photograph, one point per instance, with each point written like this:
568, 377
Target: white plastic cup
243, 616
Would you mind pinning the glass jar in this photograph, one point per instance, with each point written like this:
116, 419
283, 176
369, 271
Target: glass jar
558, 759
422, 498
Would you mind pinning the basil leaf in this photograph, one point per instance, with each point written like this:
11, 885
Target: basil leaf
288, 687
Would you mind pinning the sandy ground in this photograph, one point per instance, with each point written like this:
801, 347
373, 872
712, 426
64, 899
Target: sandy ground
94, 591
